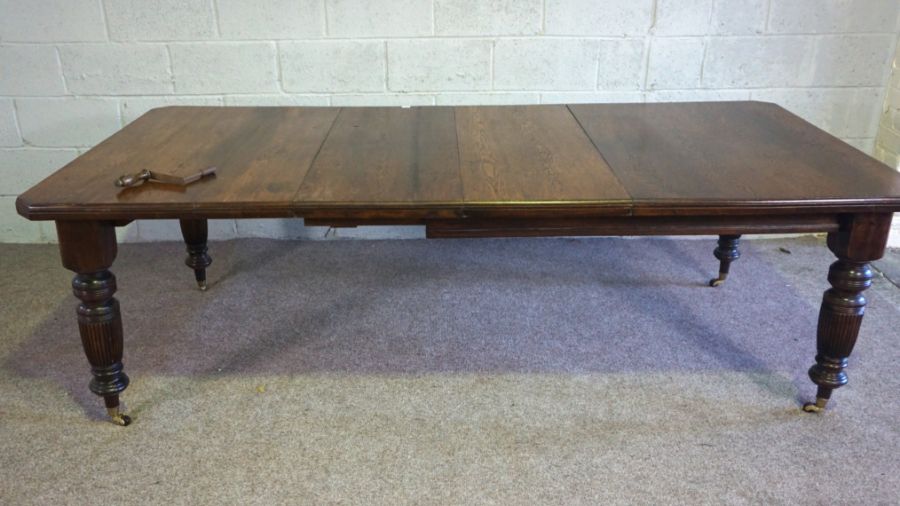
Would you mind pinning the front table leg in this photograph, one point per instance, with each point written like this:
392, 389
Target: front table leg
861, 239
89, 248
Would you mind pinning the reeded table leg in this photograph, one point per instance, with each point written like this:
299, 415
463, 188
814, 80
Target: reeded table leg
862, 238
89, 248
195, 235
727, 252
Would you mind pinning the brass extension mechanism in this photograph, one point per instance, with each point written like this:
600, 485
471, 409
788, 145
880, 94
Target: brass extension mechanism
132, 180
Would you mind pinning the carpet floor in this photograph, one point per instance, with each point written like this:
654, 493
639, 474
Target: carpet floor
508, 371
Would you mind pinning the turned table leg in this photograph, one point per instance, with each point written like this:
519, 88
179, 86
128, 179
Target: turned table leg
862, 238
195, 234
727, 251
89, 248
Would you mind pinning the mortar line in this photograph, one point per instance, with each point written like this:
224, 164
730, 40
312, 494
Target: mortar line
62, 74
215, 12
15, 110
278, 68
171, 68
543, 17
573, 37
386, 70
493, 53
105, 18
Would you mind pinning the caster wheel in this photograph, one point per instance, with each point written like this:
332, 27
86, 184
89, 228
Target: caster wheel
815, 407
118, 418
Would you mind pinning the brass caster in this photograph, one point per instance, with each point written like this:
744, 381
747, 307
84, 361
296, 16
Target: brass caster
815, 407
118, 418
717, 281
202, 285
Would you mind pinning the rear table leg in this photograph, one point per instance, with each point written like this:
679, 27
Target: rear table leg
726, 252
195, 234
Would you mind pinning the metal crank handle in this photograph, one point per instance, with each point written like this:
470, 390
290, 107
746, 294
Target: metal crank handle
131, 180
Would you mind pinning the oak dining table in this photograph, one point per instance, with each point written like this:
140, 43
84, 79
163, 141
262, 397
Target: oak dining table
721, 168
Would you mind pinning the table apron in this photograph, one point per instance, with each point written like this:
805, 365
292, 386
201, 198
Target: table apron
617, 226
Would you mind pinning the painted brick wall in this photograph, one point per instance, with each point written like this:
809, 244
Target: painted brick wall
887, 145
74, 71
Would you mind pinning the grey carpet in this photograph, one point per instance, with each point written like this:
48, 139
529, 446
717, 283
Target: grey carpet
561, 371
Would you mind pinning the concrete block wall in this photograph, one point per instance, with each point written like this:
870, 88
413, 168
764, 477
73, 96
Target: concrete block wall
887, 143
74, 71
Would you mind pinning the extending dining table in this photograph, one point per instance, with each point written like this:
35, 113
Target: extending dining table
721, 168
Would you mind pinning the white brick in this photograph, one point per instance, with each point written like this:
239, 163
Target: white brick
382, 100
890, 159
758, 62
30, 70
675, 63
14, 228
378, 18
866, 145
739, 17
9, 130
852, 60
831, 16
488, 17
276, 100
682, 17
161, 20
889, 141
894, 118
271, 19
279, 229
594, 97
892, 115
592, 17
426, 65
621, 64
67, 122
697, 95
105, 69
487, 98
884, 123
894, 237
843, 112
893, 98
545, 64
20, 169
51, 20
133, 108
225, 67
333, 66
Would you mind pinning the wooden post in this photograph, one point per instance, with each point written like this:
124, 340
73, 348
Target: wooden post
861, 239
195, 235
89, 248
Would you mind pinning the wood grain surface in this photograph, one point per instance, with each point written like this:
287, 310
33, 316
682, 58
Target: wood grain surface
674, 157
418, 165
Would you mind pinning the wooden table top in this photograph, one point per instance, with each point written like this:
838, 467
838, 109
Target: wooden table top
427, 163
